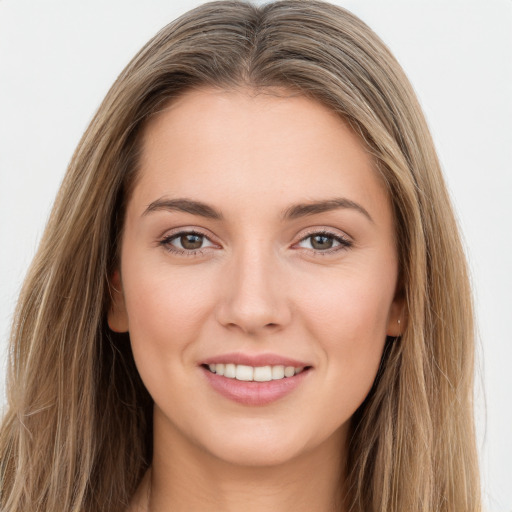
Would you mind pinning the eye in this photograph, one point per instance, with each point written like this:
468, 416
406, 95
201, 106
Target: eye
324, 242
187, 243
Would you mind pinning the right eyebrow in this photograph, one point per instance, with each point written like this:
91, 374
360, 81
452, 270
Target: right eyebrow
186, 206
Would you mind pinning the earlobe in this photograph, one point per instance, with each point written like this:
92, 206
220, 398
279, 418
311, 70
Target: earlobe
117, 317
397, 320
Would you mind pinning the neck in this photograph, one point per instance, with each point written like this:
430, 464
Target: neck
185, 478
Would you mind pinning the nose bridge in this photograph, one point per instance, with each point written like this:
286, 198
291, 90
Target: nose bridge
255, 296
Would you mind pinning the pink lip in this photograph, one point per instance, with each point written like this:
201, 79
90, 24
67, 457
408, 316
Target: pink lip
254, 393
255, 360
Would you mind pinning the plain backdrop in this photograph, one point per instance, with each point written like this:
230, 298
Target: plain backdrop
58, 58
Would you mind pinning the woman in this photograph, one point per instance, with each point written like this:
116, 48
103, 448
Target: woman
251, 292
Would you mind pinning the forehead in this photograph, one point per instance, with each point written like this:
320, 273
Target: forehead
271, 145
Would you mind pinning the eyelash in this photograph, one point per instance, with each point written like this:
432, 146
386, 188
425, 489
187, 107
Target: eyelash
166, 243
344, 243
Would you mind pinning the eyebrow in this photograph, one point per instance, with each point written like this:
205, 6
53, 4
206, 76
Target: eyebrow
184, 205
292, 212
305, 209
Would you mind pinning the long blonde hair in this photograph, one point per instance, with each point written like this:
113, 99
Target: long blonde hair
77, 432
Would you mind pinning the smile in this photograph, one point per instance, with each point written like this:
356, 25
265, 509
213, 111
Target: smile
257, 385
254, 373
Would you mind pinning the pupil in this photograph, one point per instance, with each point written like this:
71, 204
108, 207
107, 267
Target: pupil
191, 241
321, 242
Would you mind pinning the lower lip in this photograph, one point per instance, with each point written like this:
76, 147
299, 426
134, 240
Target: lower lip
254, 393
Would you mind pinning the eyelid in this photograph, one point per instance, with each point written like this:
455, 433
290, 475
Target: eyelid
165, 241
317, 230
344, 241
186, 230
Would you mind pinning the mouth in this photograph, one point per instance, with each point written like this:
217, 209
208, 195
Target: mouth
262, 383
246, 373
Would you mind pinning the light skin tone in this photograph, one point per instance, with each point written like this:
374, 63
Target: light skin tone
267, 277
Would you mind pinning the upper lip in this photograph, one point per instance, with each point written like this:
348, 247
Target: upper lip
255, 360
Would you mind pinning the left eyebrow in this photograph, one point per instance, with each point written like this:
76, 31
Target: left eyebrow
302, 210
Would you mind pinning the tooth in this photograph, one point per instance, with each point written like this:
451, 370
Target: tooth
289, 371
258, 374
244, 372
277, 372
230, 371
262, 373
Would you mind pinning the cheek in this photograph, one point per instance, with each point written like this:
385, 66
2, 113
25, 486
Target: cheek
163, 303
347, 305
348, 316
166, 311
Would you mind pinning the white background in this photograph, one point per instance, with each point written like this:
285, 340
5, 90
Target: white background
59, 57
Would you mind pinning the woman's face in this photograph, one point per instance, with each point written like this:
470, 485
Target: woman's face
258, 241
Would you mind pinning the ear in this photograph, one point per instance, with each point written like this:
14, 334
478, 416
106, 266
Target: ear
117, 317
397, 318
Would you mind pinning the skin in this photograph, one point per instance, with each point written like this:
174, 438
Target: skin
261, 285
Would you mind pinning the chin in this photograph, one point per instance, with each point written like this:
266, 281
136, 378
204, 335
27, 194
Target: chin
262, 454
261, 445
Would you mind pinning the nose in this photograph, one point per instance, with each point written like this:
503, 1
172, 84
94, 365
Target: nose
254, 297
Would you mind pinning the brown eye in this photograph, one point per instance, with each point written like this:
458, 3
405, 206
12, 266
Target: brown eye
186, 243
320, 242
191, 241
325, 242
